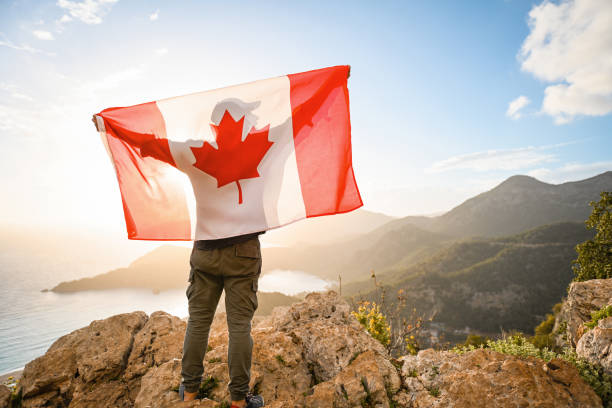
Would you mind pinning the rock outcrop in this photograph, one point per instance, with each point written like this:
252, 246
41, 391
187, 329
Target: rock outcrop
311, 354
5, 395
486, 378
596, 345
84, 366
582, 299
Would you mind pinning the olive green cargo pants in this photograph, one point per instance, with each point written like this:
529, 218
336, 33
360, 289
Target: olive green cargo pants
236, 269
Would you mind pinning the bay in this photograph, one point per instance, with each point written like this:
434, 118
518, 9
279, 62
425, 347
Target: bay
31, 320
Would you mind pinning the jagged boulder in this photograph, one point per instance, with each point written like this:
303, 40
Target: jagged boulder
311, 354
293, 349
159, 341
582, 299
596, 345
84, 367
5, 396
367, 381
486, 378
329, 335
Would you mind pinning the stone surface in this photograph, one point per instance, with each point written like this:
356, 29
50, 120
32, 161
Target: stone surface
311, 354
486, 378
5, 396
159, 341
582, 299
328, 334
77, 362
596, 345
367, 380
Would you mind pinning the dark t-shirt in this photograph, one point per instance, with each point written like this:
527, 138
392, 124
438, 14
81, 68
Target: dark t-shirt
225, 242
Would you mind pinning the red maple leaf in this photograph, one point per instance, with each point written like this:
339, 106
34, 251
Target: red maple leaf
235, 159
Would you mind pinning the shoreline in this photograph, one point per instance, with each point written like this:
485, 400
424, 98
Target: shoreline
15, 374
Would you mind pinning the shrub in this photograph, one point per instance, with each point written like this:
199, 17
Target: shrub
543, 333
595, 256
598, 315
370, 317
546, 327
518, 345
475, 340
592, 374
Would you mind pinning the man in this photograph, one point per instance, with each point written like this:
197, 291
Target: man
309, 173
232, 264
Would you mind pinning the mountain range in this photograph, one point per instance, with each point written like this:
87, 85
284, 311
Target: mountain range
499, 260
518, 204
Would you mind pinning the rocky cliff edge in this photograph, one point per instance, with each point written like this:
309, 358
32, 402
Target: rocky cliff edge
311, 354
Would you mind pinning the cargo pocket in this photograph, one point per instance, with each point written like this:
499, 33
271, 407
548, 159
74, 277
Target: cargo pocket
190, 280
249, 249
254, 287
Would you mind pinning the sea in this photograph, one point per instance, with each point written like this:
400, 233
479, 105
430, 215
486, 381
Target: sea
31, 320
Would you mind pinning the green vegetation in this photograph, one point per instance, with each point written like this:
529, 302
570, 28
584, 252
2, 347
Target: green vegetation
475, 340
543, 333
598, 315
518, 345
434, 391
369, 316
353, 357
280, 359
13, 386
484, 284
595, 255
388, 322
16, 397
368, 400
207, 386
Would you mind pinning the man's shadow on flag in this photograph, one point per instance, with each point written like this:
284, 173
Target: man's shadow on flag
262, 194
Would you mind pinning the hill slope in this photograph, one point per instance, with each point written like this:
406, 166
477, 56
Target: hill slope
386, 246
326, 230
508, 283
518, 204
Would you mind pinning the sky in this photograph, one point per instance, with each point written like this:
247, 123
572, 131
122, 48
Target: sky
448, 98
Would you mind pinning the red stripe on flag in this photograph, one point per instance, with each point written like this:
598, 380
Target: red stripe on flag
322, 138
154, 205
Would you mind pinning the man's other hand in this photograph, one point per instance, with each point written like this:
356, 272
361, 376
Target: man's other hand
93, 119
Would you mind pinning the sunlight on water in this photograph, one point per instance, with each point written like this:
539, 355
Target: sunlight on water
30, 321
291, 282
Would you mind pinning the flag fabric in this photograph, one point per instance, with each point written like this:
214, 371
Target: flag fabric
252, 157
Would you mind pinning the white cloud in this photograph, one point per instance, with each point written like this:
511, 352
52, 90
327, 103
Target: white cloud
509, 159
161, 51
14, 92
569, 46
113, 80
88, 11
516, 105
43, 35
571, 171
5, 42
22, 96
154, 16
65, 19
24, 122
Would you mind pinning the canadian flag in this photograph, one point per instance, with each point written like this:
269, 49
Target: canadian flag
251, 157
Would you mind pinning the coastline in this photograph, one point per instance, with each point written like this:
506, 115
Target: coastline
4, 378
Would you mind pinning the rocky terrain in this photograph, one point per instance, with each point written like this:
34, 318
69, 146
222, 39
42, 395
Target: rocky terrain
310, 354
582, 299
